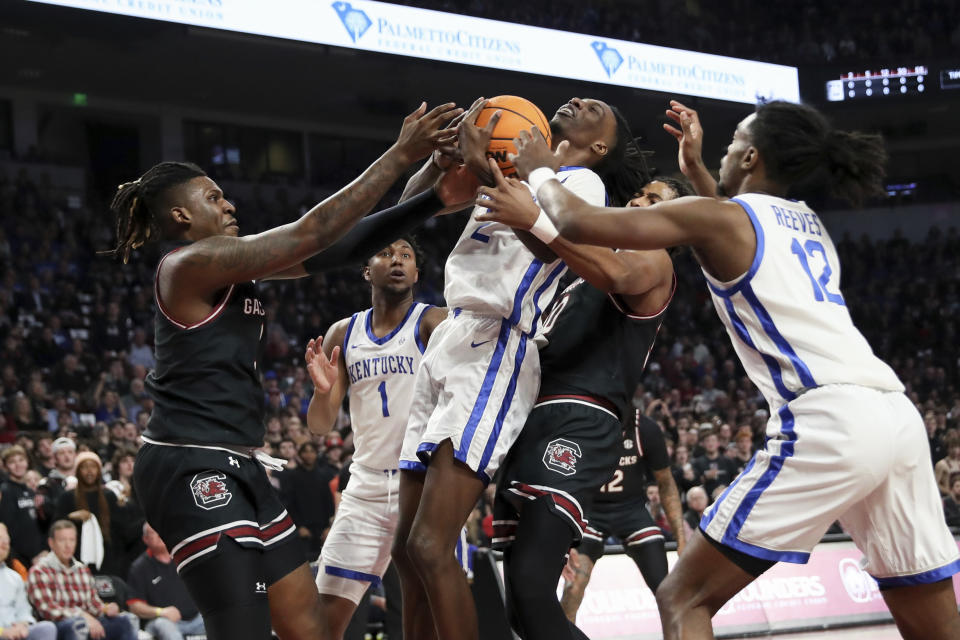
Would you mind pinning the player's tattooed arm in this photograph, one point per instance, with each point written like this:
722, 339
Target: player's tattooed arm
629, 274
328, 372
670, 499
215, 262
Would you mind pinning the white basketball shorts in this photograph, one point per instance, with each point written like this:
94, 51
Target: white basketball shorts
476, 384
847, 453
356, 552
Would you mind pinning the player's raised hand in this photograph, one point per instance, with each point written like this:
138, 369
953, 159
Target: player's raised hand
689, 136
533, 152
474, 140
425, 131
449, 153
323, 371
508, 202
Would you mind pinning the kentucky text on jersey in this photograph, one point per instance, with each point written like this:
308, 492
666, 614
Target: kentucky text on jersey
804, 221
381, 365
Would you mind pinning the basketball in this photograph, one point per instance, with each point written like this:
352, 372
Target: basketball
518, 114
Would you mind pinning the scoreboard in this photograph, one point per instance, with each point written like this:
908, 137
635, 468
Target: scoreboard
879, 83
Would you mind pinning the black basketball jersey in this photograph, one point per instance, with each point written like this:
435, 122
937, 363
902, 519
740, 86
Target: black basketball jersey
595, 346
643, 452
206, 386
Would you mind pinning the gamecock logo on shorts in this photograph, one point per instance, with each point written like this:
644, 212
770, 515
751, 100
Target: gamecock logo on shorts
561, 456
210, 490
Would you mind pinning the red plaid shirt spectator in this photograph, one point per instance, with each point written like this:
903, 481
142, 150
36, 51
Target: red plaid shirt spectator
58, 591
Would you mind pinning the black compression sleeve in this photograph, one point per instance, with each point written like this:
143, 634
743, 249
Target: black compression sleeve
375, 232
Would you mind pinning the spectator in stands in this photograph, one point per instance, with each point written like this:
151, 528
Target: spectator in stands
118, 436
743, 443
287, 449
25, 416
93, 508
951, 503
274, 433
946, 467
57, 481
71, 376
140, 352
712, 469
62, 591
697, 502
934, 436
131, 400
42, 454
122, 465
99, 443
682, 470
109, 408
655, 508
16, 618
158, 595
111, 333
60, 413
306, 493
18, 507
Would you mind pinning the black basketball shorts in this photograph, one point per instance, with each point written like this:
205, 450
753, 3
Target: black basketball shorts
628, 520
192, 496
567, 450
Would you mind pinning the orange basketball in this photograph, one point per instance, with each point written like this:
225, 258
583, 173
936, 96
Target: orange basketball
518, 114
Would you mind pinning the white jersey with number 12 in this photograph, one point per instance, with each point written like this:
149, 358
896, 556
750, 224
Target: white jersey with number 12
786, 316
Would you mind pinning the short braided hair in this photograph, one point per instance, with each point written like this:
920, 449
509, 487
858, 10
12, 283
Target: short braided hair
135, 204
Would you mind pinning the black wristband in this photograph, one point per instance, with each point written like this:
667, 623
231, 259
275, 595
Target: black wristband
375, 232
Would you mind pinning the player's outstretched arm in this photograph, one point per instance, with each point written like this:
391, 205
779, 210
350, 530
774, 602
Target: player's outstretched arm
624, 273
691, 221
215, 262
453, 191
329, 375
689, 139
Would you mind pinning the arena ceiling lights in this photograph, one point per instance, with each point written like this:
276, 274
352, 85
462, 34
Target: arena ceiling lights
435, 35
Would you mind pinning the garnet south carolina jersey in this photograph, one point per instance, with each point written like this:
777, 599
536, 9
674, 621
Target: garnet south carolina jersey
381, 373
592, 345
644, 451
786, 316
491, 273
206, 386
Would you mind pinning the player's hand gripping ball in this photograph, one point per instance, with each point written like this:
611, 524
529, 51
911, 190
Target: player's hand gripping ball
517, 114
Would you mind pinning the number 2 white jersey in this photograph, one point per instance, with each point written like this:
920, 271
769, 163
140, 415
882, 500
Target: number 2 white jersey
786, 317
381, 372
490, 272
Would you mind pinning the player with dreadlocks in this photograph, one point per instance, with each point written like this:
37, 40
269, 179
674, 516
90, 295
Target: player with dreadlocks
201, 483
481, 371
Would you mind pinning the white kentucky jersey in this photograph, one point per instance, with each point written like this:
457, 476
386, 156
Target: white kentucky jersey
786, 316
381, 372
490, 272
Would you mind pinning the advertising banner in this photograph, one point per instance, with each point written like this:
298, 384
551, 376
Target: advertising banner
436, 35
829, 590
